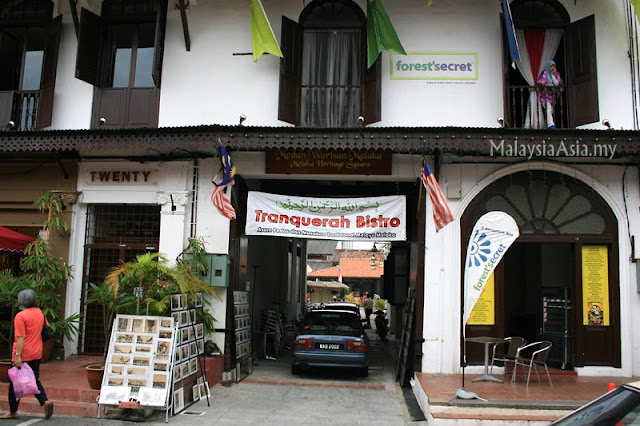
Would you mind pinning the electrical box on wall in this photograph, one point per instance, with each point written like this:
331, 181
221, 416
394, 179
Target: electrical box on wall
218, 270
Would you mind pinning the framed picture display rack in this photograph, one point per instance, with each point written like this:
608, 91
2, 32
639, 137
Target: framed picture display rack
139, 368
189, 383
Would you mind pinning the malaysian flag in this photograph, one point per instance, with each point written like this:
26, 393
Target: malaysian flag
441, 212
218, 197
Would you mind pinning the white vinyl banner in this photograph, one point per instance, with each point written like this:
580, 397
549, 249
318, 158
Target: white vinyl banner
492, 235
363, 219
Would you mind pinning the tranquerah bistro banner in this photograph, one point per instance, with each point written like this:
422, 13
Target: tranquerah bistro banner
492, 235
363, 219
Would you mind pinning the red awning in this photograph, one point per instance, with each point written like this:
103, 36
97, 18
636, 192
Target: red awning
13, 241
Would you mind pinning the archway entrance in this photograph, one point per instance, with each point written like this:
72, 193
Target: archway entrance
546, 286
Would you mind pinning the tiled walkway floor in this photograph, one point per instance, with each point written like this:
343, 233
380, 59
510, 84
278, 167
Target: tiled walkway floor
567, 390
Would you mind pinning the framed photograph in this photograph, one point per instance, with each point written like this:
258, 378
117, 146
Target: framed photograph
193, 365
185, 369
178, 400
152, 397
151, 326
124, 337
178, 354
159, 381
116, 369
136, 371
136, 384
163, 350
166, 323
143, 348
192, 316
184, 318
120, 359
112, 395
198, 300
185, 335
122, 349
115, 381
192, 334
160, 366
196, 393
193, 349
124, 324
165, 334
137, 325
176, 303
141, 360
200, 346
176, 318
185, 351
199, 331
145, 339
177, 373
204, 390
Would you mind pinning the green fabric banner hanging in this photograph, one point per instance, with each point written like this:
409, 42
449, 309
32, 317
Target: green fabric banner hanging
380, 33
261, 33
636, 6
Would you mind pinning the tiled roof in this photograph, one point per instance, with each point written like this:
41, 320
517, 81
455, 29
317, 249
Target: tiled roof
351, 268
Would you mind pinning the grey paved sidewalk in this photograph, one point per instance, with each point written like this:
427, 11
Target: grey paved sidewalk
271, 395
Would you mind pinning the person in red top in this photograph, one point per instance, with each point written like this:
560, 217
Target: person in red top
27, 348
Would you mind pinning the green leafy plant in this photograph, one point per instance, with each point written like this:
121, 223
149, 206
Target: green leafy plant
379, 304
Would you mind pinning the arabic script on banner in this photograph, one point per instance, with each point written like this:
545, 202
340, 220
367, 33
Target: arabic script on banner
375, 218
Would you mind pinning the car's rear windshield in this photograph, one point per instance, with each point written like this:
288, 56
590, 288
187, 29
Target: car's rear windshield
332, 322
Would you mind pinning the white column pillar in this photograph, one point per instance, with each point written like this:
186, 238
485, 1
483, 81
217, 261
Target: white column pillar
172, 225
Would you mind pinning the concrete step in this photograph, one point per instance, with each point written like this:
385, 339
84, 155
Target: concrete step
67, 401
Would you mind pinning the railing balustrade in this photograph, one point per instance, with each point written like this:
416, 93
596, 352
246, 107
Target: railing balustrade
330, 106
526, 111
25, 109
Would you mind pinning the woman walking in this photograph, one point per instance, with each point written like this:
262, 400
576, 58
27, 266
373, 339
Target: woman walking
27, 348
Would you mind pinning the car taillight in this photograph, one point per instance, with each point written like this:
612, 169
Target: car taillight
356, 345
302, 344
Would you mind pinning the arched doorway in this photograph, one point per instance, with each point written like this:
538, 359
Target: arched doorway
544, 285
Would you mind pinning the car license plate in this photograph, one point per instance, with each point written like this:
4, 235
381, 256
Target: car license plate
330, 346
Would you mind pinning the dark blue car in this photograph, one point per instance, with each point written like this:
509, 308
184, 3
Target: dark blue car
330, 338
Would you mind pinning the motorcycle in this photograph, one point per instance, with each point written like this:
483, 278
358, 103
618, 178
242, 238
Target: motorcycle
381, 324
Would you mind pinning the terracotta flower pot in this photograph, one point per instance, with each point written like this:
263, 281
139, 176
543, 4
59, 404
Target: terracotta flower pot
5, 365
47, 350
94, 375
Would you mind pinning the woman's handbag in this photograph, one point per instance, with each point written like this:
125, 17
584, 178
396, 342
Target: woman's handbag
47, 331
23, 381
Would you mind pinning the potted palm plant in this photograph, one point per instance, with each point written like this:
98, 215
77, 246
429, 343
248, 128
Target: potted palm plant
144, 287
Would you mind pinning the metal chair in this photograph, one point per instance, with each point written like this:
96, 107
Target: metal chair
505, 351
539, 351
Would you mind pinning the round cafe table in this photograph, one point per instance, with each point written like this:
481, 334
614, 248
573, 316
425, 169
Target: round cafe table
486, 340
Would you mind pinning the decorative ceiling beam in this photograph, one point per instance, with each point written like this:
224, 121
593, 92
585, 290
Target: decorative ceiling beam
185, 25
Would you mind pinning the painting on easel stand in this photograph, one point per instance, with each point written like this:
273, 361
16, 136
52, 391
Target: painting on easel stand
138, 364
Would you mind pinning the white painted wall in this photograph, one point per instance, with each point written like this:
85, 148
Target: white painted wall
442, 262
211, 85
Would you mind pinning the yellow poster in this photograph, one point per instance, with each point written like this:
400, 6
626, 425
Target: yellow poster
484, 311
595, 286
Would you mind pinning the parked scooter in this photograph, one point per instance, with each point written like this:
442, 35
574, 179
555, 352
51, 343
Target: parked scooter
381, 324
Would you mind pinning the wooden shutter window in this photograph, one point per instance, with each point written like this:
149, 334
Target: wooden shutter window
48, 84
582, 74
158, 53
372, 93
89, 48
289, 92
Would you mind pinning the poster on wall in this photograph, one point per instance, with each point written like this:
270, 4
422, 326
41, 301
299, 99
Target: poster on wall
484, 311
358, 219
138, 360
595, 286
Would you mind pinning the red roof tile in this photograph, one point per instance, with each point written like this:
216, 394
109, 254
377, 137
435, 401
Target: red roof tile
351, 268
